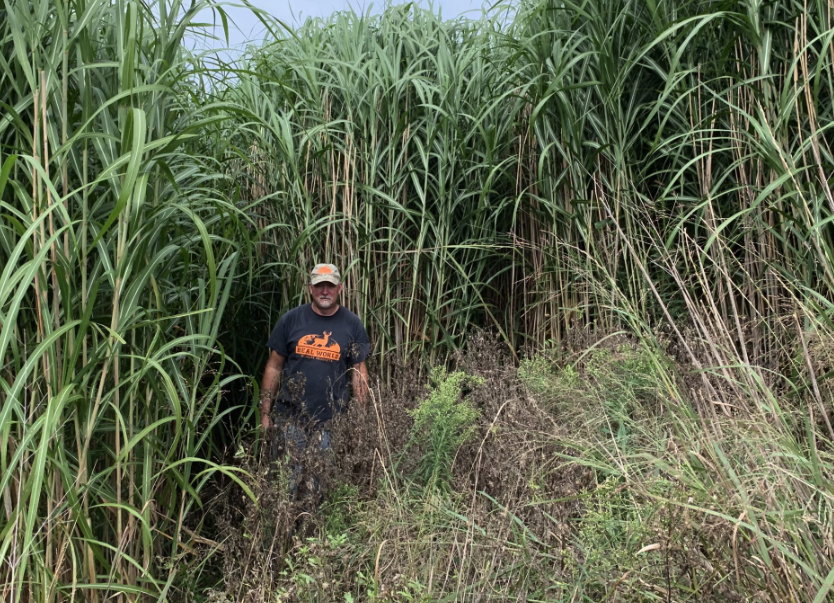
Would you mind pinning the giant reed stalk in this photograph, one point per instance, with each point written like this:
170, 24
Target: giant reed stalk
114, 283
462, 172
467, 164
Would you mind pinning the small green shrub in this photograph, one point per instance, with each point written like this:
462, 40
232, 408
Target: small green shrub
540, 372
442, 423
611, 531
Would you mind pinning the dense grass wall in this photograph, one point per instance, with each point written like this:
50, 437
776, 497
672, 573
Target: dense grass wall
587, 158
118, 249
655, 167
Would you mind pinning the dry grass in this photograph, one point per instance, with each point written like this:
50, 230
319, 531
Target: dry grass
588, 480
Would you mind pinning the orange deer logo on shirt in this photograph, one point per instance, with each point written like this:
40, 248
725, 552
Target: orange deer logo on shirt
320, 347
319, 342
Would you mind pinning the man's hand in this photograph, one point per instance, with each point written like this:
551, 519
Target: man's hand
359, 383
266, 422
269, 385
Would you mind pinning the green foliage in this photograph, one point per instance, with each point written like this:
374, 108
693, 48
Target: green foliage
543, 376
443, 422
533, 173
341, 509
613, 528
658, 167
607, 389
118, 255
672, 489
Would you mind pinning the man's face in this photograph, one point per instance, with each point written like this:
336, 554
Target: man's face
325, 295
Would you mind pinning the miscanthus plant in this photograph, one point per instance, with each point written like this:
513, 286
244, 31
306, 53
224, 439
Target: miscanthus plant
118, 250
662, 168
641, 165
486, 171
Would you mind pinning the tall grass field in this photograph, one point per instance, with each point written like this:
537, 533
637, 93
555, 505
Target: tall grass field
592, 243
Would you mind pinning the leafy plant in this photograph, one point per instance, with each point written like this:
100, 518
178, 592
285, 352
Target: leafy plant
662, 169
443, 422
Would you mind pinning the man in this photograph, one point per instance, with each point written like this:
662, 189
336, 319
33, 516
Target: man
317, 355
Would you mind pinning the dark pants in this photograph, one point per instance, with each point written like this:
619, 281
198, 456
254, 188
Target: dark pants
294, 440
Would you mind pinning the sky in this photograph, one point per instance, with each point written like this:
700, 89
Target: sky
248, 28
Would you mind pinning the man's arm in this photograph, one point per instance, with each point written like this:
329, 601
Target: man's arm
269, 385
359, 382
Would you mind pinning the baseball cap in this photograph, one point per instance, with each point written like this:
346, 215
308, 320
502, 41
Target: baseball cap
325, 273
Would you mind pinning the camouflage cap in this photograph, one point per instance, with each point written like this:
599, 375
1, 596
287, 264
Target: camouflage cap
325, 273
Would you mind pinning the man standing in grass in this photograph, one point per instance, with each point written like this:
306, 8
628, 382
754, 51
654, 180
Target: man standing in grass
317, 358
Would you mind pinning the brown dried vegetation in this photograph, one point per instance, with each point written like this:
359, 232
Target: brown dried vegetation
577, 484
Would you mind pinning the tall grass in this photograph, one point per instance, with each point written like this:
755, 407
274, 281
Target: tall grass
119, 250
661, 168
483, 172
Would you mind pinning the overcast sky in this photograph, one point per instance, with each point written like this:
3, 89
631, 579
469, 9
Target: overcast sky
248, 28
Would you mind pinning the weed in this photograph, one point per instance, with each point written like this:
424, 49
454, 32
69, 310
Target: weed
341, 509
442, 423
545, 502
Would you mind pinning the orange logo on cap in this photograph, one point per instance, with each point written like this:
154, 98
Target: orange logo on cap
325, 270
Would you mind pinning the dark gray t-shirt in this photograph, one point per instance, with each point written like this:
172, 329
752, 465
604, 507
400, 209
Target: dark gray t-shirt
319, 350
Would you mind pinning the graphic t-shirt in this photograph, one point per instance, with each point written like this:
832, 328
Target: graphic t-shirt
319, 350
